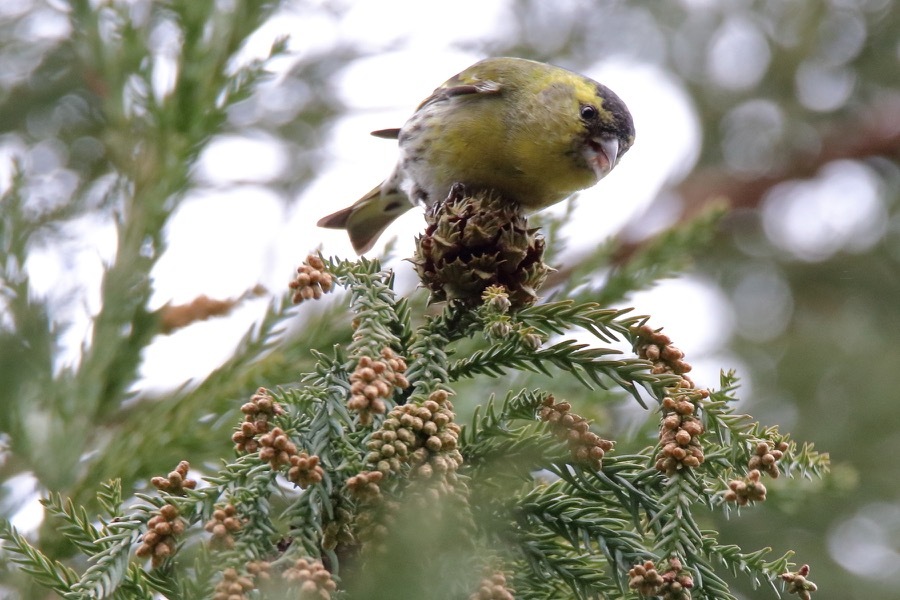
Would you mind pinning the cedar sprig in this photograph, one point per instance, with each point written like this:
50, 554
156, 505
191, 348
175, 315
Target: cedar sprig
46, 571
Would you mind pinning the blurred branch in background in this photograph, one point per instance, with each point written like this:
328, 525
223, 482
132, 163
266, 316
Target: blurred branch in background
874, 131
107, 109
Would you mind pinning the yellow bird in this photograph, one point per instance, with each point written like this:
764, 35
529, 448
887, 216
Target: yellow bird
531, 132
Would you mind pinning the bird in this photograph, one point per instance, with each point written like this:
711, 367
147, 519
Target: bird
531, 132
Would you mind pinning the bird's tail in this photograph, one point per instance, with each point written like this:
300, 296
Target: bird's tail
367, 218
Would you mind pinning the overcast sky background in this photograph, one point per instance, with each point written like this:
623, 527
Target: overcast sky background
382, 91
233, 232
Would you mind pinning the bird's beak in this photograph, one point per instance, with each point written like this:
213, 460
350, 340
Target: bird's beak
601, 154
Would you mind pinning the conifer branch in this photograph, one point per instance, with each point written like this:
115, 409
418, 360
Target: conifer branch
47, 572
354, 464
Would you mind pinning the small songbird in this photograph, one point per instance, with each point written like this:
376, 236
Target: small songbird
531, 132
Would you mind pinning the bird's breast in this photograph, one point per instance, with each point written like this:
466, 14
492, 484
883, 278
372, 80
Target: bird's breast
472, 144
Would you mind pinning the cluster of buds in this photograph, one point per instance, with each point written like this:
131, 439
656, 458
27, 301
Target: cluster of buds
498, 328
679, 433
766, 457
276, 448
338, 531
259, 570
764, 460
423, 436
159, 542
530, 338
658, 349
419, 440
279, 451
313, 579
495, 299
305, 470
680, 429
364, 486
587, 447
799, 584
493, 587
495, 305
372, 528
645, 579
233, 586
373, 381
744, 491
237, 586
672, 584
311, 281
223, 524
176, 482
258, 413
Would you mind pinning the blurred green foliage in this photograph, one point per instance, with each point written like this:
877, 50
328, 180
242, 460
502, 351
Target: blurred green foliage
782, 89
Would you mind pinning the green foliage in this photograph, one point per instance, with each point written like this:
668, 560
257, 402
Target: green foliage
562, 529
577, 526
47, 572
132, 147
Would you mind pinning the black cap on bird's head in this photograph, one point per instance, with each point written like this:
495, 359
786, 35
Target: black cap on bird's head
610, 130
619, 122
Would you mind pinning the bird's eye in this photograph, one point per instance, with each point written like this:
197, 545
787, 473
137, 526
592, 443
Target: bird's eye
588, 112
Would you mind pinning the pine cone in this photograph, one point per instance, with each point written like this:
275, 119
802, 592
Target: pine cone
477, 240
